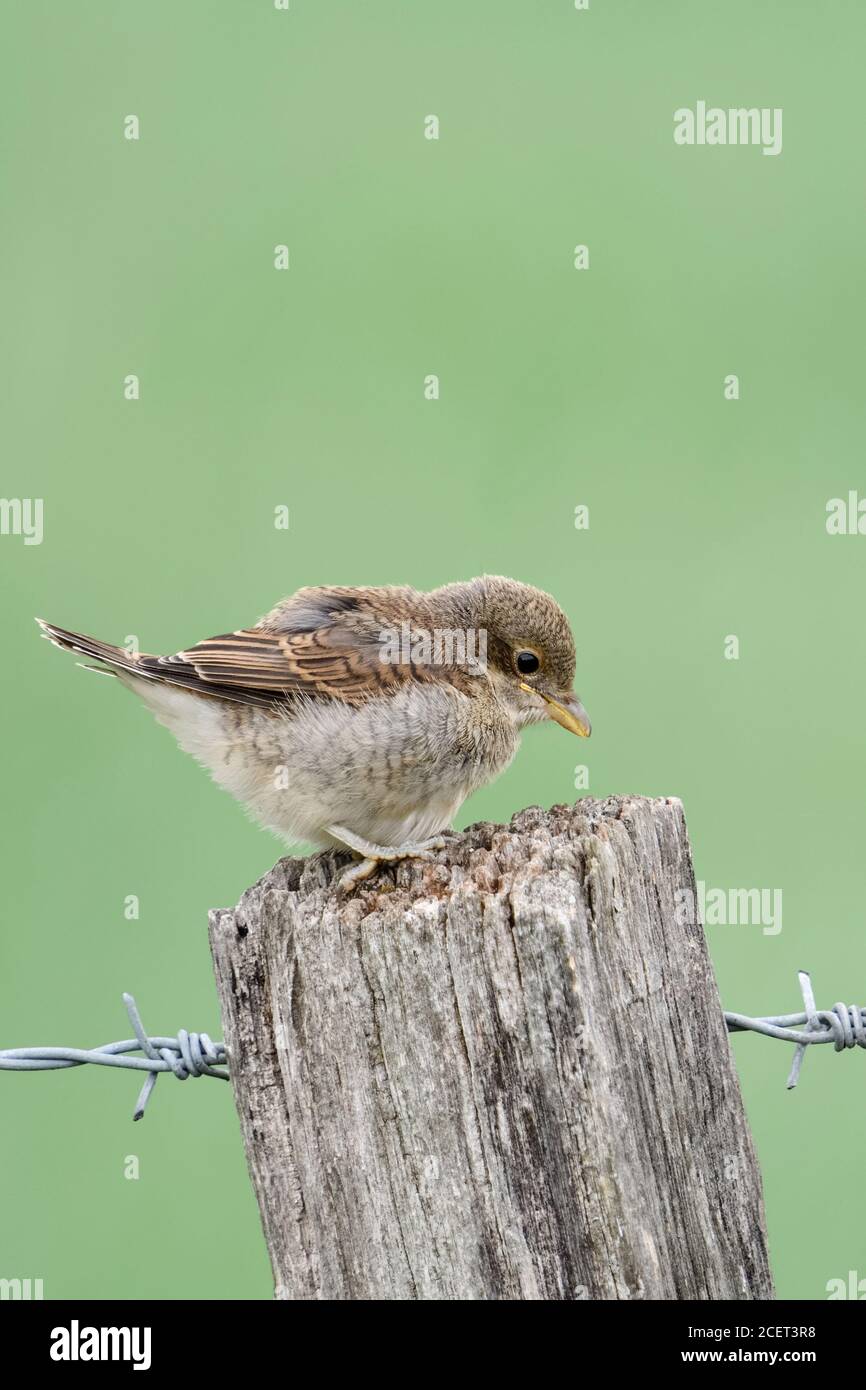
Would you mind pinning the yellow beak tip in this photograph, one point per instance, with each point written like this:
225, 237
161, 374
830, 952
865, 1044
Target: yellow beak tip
571, 716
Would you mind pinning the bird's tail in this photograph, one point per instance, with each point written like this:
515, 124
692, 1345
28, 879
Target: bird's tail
115, 658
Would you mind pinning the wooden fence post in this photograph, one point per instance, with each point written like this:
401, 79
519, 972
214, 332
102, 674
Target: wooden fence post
503, 1074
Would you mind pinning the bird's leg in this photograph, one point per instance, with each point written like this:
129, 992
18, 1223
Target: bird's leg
374, 855
412, 849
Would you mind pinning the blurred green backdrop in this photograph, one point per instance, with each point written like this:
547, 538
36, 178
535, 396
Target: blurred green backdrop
305, 388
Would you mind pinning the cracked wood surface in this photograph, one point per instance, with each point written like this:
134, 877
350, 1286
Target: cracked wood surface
502, 1074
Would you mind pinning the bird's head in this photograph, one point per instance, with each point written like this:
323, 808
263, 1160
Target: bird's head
530, 652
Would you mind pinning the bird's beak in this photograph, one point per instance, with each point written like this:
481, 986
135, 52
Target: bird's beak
568, 712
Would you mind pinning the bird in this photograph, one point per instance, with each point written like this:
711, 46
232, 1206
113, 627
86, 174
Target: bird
362, 718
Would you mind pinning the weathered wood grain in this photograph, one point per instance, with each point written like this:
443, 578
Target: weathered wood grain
504, 1074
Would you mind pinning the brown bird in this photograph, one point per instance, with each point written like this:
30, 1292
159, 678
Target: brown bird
362, 718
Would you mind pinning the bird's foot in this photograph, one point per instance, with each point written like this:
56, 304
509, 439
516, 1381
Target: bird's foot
374, 855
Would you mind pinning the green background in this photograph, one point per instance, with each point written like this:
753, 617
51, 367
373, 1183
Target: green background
305, 388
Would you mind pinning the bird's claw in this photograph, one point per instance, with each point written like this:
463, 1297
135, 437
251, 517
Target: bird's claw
368, 866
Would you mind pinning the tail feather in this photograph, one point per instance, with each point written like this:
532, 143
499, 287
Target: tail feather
115, 657
156, 670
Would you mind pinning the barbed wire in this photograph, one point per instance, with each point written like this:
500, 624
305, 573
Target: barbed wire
188, 1054
844, 1025
194, 1054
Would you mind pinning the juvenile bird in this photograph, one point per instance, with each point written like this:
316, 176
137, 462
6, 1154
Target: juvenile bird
362, 718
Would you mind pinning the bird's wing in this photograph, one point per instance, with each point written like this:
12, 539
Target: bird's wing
322, 643
257, 666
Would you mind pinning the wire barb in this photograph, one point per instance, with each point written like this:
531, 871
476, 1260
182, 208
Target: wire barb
188, 1054
844, 1026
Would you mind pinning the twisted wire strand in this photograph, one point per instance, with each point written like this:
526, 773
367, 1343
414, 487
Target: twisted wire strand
186, 1055
844, 1026
195, 1054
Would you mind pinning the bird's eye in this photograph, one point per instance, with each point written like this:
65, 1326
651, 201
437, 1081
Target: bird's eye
527, 662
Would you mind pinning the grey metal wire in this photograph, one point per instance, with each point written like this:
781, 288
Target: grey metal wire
844, 1026
188, 1054
194, 1054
